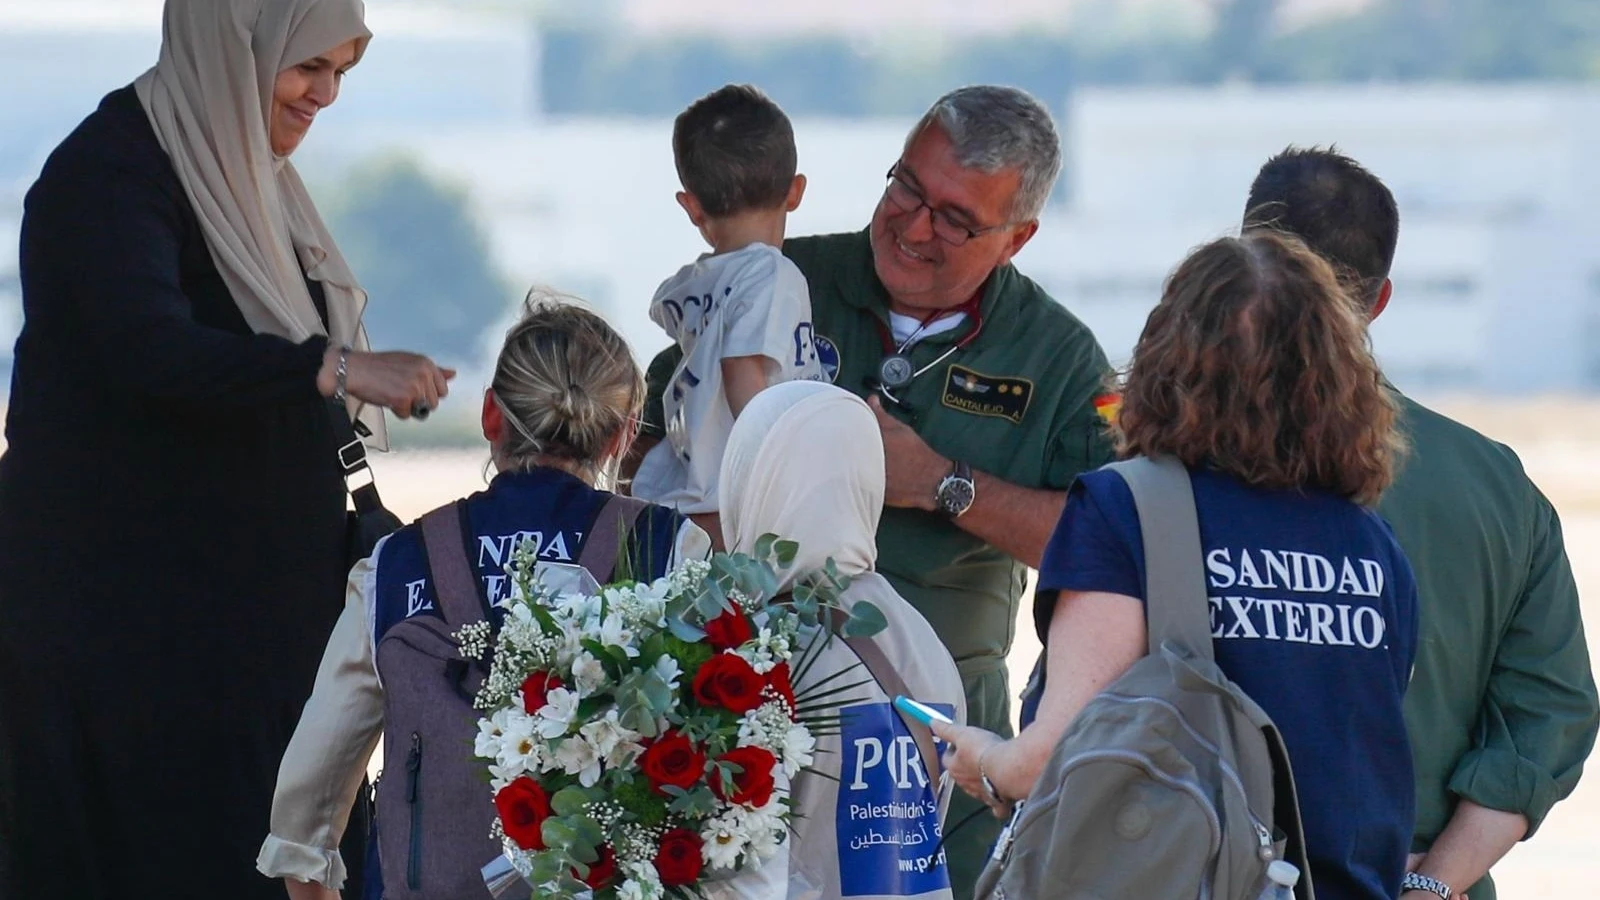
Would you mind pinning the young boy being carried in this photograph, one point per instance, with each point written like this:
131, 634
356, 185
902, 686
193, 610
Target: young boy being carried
742, 313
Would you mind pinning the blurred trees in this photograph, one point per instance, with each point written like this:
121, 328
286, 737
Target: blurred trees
420, 252
587, 70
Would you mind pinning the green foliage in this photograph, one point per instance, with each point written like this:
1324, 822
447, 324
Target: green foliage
697, 803
418, 249
643, 698
645, 805
690, 656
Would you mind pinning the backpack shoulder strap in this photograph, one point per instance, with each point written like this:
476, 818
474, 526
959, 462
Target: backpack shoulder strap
456, 587
600, 547
888, 678
1176, 606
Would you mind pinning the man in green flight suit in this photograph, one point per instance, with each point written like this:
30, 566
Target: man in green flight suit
985, 387
1502, 709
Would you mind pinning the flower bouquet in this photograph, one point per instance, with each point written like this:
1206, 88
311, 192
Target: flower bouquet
641, 737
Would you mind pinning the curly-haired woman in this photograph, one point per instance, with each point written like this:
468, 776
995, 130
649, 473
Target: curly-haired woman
1254, 371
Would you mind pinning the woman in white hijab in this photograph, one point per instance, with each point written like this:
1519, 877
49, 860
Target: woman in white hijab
173, 538
805, 461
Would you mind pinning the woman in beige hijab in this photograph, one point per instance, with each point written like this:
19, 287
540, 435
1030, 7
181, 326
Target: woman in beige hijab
805, 461
173, 539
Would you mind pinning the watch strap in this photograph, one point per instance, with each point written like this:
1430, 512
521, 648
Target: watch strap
960, 474
1417, 882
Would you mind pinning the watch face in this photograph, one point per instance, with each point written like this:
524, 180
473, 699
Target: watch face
955, 495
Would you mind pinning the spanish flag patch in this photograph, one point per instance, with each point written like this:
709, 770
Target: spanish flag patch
1108, 405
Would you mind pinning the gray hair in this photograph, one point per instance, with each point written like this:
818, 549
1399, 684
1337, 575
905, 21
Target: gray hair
568, 385
994, 127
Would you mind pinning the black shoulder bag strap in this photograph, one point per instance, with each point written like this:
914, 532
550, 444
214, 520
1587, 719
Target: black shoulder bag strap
372, 519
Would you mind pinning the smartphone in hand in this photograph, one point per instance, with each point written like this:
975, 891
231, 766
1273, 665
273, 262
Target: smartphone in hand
923, 713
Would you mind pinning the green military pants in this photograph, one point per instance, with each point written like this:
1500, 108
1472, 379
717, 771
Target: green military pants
970, 829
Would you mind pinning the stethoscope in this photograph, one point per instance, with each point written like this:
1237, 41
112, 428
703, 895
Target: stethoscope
896, 370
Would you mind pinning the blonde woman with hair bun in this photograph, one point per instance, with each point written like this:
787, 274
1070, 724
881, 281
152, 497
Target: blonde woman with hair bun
560, 411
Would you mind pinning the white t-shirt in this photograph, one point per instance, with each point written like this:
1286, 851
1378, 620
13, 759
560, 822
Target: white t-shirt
751, 302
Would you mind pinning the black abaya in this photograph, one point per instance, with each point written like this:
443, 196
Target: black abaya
172, 542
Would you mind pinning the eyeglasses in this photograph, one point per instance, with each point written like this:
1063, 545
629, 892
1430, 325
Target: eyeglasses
908, 199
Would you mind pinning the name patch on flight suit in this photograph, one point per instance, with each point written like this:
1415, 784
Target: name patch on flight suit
987, 395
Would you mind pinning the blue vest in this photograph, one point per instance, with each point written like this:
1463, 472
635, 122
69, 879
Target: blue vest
550, 508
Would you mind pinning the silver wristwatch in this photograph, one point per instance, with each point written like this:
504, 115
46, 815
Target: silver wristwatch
956, 492
1416, 882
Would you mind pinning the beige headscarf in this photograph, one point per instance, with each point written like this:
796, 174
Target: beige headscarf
805, 461
209, 97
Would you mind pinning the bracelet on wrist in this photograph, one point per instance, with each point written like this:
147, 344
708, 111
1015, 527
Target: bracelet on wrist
988, 786
1415, 882
341, 373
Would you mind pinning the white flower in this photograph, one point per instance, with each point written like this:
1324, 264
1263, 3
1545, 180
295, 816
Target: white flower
799, 747
578, 757
688, 575
642, 882
490, 730
766, 650
571, 644
519, 749
555, 717
669, 670
617, 744
765, 842
500, 776
722, 842
615, 633
589, 673
574, 606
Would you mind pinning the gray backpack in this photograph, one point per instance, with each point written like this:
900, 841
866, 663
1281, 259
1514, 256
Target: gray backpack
434, 807
1171, 784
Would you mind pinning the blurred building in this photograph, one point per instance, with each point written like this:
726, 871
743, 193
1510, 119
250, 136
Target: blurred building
1497, 283
1497, 278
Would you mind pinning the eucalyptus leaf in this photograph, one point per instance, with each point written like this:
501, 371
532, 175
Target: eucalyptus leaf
787, 551
569, 801
546, 867
698, 803
866, 620
683, 631
710, 603
557, 833
763, 548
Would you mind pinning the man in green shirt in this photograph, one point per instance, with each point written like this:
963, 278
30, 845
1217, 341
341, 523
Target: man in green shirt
1501, 710
984, 386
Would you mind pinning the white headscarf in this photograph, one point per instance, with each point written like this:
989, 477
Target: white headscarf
209, 98
805, 461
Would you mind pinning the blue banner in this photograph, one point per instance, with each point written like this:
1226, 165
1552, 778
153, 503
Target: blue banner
888, 811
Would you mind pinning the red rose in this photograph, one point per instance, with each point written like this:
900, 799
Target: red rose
536, 690
726, 680
778, 680
602, 871
729, 630
678, 862
523, 806
753, 785
673, 759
